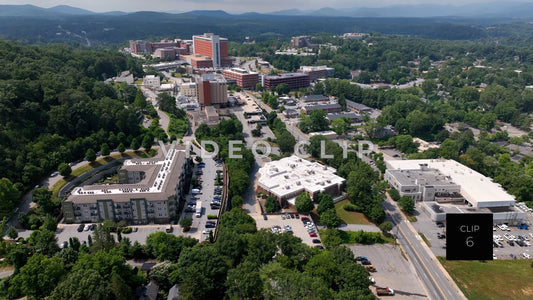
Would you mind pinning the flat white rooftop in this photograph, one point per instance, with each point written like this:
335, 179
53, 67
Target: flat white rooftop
476, 188
293, 175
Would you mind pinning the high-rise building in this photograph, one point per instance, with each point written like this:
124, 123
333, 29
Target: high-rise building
212, 46
212, 89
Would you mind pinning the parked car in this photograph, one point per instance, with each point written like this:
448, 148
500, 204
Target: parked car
440, 224
441, 236
366, 263
312, 234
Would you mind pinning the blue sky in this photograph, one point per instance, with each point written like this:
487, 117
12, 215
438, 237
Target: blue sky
228, 5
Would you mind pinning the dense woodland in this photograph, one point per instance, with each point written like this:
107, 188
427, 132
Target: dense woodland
243, 263
54, 106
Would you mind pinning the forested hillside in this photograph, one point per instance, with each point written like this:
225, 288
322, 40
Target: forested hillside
54, 105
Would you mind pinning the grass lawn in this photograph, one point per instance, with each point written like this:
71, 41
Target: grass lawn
350, 217
497, 279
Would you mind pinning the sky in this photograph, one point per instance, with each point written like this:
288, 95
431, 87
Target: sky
227, 5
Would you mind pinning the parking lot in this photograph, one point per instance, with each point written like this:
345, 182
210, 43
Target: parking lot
392, 270
430, 230
206, 196
297, 226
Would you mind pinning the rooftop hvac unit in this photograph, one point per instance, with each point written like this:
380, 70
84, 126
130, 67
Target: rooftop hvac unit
298, 183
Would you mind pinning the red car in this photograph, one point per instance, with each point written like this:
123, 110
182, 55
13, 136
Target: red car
312, 234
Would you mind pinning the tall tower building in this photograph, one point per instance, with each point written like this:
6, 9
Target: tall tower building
214, 47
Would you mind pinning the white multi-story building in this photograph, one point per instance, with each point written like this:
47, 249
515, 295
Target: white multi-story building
289, 177
152, 81
150, 191
446, 186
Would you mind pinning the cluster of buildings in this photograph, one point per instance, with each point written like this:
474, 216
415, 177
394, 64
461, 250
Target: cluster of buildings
446, 186
149, 191
162, 49
289, 177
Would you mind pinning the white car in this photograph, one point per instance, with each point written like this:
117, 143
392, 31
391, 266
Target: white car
526, 256
494, 256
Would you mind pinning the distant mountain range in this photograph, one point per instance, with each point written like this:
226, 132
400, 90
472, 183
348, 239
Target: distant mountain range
36, 11
472, 10
502, 9
65, 24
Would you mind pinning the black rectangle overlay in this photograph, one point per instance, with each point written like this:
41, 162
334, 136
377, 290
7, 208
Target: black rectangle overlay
469, 236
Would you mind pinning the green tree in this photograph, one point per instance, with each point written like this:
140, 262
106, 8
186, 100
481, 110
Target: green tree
315, 145
325, 202
44, 241
283, 89
244, 281
272, 204
121, 148
80, 284
90, 155
12, 233
385, 227
135, 144
167, 246
323, 267
318, 120
304, 203
286, 142
283, 283
64, 169
237, 220
237, 201
49, 223
201, 272
104, 149
147, 142
340, 125
38, 277
9, 196
394, 194
407, 204
449, 149
330, 218
43, 197
186, 222
140, 100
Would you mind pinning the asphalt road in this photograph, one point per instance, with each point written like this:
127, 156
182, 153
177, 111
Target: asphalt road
437, 282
